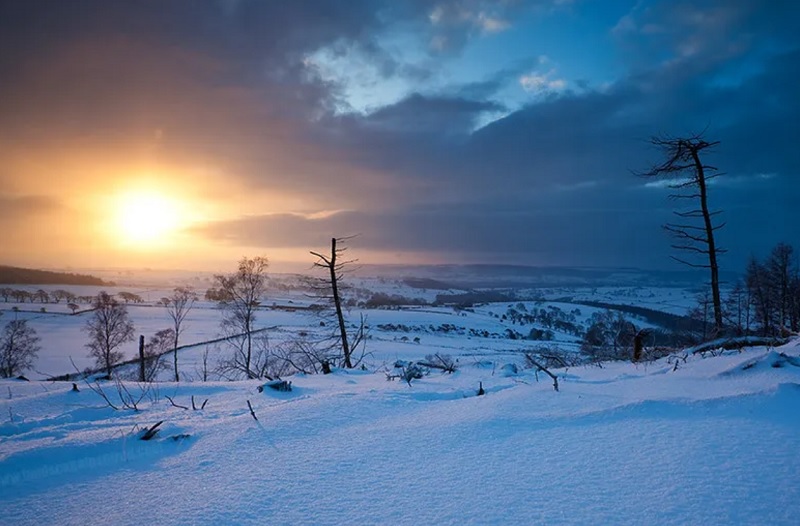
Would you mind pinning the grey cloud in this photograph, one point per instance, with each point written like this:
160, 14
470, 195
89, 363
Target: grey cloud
425, 114
486, 233
226, 84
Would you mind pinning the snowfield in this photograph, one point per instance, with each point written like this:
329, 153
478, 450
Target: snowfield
714, 440
438, 328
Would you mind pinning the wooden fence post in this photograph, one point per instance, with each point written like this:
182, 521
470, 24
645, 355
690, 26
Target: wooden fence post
141, 358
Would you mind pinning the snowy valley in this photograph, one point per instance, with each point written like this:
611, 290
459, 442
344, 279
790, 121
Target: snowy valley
686, 438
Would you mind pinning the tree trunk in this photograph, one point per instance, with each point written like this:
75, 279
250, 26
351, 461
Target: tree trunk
175, 356
338, 304
638, 345
712, 248
249, 351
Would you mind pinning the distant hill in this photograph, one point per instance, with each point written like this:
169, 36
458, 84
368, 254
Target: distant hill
521, 276
29, 276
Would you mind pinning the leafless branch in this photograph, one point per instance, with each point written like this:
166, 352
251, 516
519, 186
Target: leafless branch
171, 401
252, 413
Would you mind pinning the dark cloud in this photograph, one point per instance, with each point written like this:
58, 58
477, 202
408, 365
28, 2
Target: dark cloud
478, 232
224, 83
430, 115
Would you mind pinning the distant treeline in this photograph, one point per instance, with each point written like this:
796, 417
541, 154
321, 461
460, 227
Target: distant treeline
426, 283
27, 276
672, 322
471, 298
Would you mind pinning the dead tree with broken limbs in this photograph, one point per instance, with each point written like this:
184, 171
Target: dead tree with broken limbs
688, 176
334, 265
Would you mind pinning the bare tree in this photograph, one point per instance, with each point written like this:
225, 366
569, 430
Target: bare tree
334, 265
609, 337
688, 176
299, 355
738, 308
779, 271
21, 296
59, 294
239, 296
108, 328
178, 306
700, 312
774, 289
5, 293
130, 297
758, 289
19, 346
41, 296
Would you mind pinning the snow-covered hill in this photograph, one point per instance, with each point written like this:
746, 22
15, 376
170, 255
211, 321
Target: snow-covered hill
710, 440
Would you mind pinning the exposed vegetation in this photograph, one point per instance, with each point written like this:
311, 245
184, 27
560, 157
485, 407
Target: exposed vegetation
27, 276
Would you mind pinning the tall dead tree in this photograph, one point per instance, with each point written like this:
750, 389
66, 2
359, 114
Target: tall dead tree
334, 265
688, 176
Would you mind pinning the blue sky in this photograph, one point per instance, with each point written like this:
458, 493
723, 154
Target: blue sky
440, 131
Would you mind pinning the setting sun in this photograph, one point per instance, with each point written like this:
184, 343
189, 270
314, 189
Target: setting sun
146, 217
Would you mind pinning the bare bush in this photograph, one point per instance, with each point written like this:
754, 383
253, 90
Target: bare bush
553, 357
409, 371
120, 396
443, 362
255, 358
304, 356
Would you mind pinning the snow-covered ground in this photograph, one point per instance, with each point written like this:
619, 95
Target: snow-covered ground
665, 299
713, 441
392, 333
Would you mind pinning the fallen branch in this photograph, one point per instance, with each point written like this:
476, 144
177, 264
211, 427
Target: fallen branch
194, 405
540, 367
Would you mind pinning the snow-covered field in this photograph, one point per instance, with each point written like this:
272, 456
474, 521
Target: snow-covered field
408, 333
665, 299
684, 440
713, 441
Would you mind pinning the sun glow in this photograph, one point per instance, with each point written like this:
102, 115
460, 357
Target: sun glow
145, 217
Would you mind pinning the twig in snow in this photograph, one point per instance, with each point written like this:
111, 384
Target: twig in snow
171, 401
150, 432
252, 413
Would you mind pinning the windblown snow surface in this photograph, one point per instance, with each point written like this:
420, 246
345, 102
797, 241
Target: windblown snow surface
714, 441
